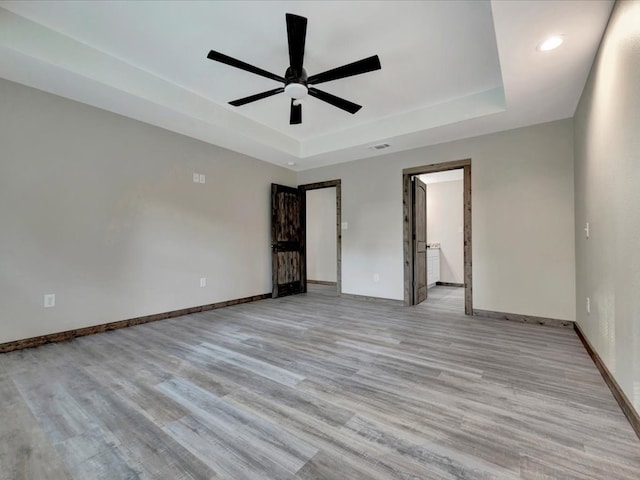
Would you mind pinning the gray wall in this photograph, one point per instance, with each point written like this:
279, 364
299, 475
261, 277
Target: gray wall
523, 217
102, 211
445, 221
607, 179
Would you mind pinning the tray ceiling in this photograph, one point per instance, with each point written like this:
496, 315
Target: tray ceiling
450, 69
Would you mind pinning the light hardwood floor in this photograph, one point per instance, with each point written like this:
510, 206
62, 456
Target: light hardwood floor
314, 387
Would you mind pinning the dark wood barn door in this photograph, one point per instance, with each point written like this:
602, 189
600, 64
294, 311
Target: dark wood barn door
287, 241
419, 241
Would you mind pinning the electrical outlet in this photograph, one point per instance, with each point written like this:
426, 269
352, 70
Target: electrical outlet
202, 178
50, 300
376, 277
588, 305
196, 178
203, 282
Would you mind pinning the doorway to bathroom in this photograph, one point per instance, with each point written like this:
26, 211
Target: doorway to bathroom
437, 234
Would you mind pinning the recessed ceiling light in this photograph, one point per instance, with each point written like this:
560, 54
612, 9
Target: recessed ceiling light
550, 43
291, 164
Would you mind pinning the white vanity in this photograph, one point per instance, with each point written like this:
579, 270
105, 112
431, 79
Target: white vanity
433, 266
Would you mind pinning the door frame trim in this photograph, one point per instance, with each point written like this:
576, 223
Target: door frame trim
317, 186
407, 211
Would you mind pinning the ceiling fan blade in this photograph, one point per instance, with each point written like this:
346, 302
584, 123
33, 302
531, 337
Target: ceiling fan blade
356, 68
257, 96
335, 101
296, 34
222, 58
296, 114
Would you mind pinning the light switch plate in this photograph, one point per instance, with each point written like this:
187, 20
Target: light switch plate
196, 178
344, 226
203, 282
202, 178
49, 300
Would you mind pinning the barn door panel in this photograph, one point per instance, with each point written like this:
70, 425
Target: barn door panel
287, 241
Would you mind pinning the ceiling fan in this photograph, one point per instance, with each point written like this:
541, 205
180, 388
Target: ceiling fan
296, 82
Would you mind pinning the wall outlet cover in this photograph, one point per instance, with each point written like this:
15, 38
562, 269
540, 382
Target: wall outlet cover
196, 178
344, 226
202, 178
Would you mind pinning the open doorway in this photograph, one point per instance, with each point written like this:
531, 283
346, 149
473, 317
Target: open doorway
445, 238
323, 237
424, 265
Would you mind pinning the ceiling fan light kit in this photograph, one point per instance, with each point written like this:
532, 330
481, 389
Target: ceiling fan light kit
296, 83
296, 91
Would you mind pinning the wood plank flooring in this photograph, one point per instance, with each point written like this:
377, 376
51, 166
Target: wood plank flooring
314, 387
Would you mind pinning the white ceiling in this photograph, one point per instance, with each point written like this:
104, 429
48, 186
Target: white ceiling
450, 69
439, 177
